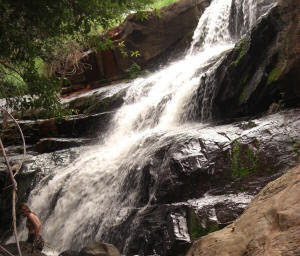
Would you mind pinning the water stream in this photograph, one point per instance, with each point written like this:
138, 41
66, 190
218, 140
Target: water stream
80, 203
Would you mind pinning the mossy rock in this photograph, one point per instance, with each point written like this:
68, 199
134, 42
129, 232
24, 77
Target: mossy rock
200, 227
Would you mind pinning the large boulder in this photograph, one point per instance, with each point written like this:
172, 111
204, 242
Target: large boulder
157, 36
269, 226
95, 249
263, 68
161, 32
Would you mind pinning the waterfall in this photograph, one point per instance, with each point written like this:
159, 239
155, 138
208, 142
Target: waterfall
80, 203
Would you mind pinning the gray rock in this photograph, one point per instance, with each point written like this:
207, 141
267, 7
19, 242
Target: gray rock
201, 183
261, 71
95, 249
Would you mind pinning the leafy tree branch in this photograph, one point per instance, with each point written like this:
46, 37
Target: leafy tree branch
35, 29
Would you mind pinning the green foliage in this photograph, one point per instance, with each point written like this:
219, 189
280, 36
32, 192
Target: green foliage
122, 49
242, 161
142, 15
242, 50
100, 44
157, 12
155, 7
134, 70
31, 33
157, 4
135, 54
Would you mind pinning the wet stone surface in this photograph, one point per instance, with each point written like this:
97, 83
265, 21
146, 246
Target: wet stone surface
202, 181
191, 183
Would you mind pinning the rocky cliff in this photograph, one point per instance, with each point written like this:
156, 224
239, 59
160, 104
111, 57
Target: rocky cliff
158, 36
270, 225
263, 67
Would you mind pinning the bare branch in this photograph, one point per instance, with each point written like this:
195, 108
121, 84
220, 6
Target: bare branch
3, 249
14, 193
70, 63
12, 176
22, 136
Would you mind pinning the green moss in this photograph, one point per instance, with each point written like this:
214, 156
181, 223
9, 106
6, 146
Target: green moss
212, 227
256, 141
244, 79
196, 228
242, 50
243, 161
252, 124
243, 188
98, 107
275, 73
243, 84
296, 145
243, 95
269, 170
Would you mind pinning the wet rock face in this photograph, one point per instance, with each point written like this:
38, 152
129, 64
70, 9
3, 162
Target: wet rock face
195, 186
192, 185
95, 110
269, 226
35, 167
260, 70
101, 100
73, 127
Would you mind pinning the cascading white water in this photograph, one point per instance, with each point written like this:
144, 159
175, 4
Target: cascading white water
81, 202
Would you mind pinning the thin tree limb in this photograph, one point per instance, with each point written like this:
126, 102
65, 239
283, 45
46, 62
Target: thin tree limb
3, 249
14, 193
22, 136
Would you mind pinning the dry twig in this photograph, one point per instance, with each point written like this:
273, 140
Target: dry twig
67, 64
